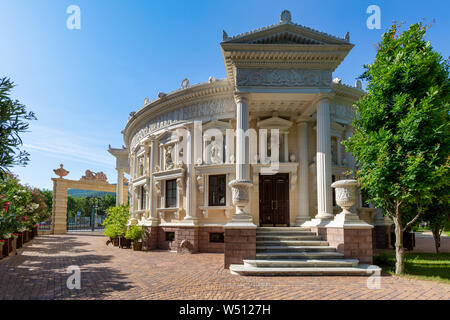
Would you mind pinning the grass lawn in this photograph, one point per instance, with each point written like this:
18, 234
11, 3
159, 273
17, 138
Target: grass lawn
444, 233
426, 266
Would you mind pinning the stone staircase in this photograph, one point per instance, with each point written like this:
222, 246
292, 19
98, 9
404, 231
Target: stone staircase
297, 251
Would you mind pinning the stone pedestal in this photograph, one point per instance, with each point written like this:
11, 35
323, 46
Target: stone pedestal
353, 243
350, 235
240, 244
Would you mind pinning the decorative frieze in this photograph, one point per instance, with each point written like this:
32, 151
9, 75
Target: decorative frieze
214, 108
283, 78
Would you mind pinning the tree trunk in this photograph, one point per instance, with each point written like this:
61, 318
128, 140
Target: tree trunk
437, 238
399, 250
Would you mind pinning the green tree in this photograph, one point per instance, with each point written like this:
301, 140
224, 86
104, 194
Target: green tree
401, 132
437, 213
13, 121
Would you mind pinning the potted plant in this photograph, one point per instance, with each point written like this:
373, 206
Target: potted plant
14, 237
2, 243
115, 224
134, 233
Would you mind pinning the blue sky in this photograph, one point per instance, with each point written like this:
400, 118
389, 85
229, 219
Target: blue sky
82, 84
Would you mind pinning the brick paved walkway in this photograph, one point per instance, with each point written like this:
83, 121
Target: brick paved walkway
39, 272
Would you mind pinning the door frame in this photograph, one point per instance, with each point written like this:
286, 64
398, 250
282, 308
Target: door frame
261, 196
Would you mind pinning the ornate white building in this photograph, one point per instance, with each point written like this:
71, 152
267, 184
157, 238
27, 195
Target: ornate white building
194, 187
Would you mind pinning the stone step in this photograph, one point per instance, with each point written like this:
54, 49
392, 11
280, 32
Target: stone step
291, 243
298, 255
283, 229
295, 263
295, 248
284, 233
287, 238
361, 270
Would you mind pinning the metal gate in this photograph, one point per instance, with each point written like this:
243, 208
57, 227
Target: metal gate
92, 223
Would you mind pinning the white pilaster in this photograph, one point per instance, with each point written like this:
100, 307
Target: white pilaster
303, 197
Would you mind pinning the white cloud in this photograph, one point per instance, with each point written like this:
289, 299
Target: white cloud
68, 145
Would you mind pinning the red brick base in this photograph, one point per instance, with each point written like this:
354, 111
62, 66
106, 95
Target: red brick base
353, 243
187, 239
150, 238
240, 244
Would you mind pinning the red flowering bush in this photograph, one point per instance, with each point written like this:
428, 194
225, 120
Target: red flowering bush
21, 207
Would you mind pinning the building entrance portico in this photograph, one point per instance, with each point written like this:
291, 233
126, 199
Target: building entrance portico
274, 200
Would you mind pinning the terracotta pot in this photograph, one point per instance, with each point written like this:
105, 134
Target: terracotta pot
14, 245
137, 246
20, 240
2, 252
116, 242
10, 245
125, 243
34, 230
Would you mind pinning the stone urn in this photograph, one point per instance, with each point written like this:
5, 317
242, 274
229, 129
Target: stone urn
240, 197
345, 194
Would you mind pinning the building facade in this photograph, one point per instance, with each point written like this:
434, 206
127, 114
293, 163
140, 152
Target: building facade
210, 163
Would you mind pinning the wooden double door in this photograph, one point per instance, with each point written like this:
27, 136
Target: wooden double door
274, 200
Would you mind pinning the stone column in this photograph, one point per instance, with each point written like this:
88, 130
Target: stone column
240, 232
323, 158
153, 219
242, 182
150, 237
191, 208
303, 170
119, 192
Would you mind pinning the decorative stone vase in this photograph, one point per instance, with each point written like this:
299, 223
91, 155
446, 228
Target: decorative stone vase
240, 195
345, 194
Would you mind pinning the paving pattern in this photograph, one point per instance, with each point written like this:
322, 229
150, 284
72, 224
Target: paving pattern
107, 272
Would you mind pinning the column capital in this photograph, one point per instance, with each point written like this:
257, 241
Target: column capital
240, 97
325, 97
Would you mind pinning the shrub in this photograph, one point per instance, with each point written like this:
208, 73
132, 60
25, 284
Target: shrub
134, 233
116, 221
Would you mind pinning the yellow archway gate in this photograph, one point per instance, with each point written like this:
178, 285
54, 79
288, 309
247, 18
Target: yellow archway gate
91, 181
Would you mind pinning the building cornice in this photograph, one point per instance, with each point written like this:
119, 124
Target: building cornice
177, 99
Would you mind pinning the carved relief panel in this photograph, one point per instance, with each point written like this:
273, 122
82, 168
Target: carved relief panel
283, 78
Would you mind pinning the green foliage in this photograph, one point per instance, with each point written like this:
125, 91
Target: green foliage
134, 232
13, 121
84, 205
26, 207
427, 266
116, 221
401, 138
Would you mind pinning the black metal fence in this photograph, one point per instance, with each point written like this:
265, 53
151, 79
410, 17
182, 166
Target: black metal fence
85, 223
46, 225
